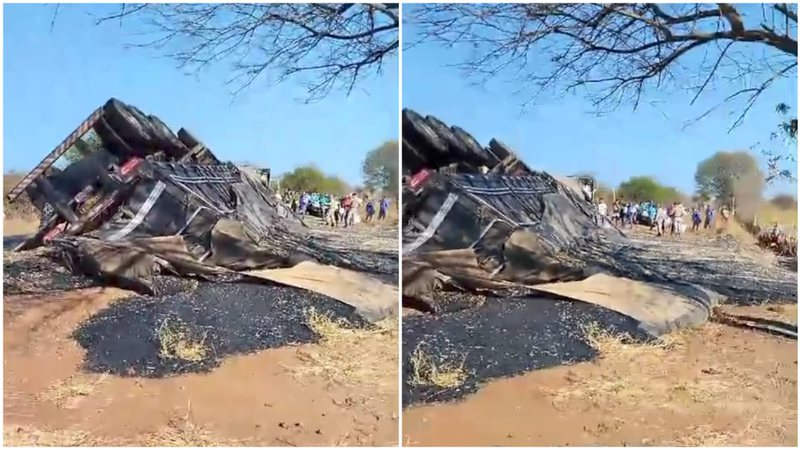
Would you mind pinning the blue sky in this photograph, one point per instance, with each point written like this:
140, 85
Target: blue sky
561, 135
54, 78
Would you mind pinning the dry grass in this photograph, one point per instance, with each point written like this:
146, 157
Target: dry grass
178, 433
769, 214
364, 357
425, 372
185, 433
659, 374
15, 436
175, 343
64, 392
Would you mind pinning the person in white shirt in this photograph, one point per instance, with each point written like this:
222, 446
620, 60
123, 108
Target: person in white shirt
602, 211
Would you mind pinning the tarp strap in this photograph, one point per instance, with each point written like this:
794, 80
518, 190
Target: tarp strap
202, 199
205, 255
492, 208
483, 233
437, 220
191, 218
140, 215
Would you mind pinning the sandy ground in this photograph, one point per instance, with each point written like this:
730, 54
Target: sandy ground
309, 395
712, 386
16, 227
715, 385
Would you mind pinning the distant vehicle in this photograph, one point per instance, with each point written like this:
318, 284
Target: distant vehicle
318, 204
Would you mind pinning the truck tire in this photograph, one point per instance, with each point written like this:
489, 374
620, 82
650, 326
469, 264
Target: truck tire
475, 152
129, 123
457, 151
187, 138
420, 134
167, 140
413, 161
502, 151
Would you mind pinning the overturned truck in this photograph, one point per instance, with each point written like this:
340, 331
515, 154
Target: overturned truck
479, 221
124, 199
86, 178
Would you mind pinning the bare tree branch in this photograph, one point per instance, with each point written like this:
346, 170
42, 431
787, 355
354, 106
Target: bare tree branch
330, 45
617, 53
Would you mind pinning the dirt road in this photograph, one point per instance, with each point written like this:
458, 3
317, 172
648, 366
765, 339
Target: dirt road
340, 391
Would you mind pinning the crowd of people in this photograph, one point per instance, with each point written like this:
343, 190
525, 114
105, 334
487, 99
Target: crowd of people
659, 217
344, 211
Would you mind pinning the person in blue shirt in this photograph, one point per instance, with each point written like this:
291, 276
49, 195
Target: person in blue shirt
709, 217
304, 198
383, 208
696, 219
652, 211
370, 211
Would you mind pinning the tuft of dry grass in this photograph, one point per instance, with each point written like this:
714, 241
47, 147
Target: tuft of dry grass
184, 433
612, 345
65, 391
175, 343
425, 372
351, 356
16, 436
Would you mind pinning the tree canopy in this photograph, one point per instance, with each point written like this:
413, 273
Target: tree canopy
311, 179
731, 177
380, 169
645, 188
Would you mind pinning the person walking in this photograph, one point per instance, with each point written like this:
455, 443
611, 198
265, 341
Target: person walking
623, 214
709, 217
370, 211
330, 212
354, 208
303, 204
384, 208
602, 211
661, 220
347, 205
696, 220
678, 212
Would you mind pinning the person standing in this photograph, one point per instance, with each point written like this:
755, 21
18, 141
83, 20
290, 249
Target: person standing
696, 219
678, 212
347, 205
661, 220
602, 211
370, 211
303, 204
330, 212
709, 217
623, 214
652, 212
384, 208
354, 208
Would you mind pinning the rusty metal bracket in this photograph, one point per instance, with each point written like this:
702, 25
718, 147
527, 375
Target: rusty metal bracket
51, 158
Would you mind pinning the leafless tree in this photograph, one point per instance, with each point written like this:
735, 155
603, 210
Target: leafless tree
617, 53
782, 164
335, 45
